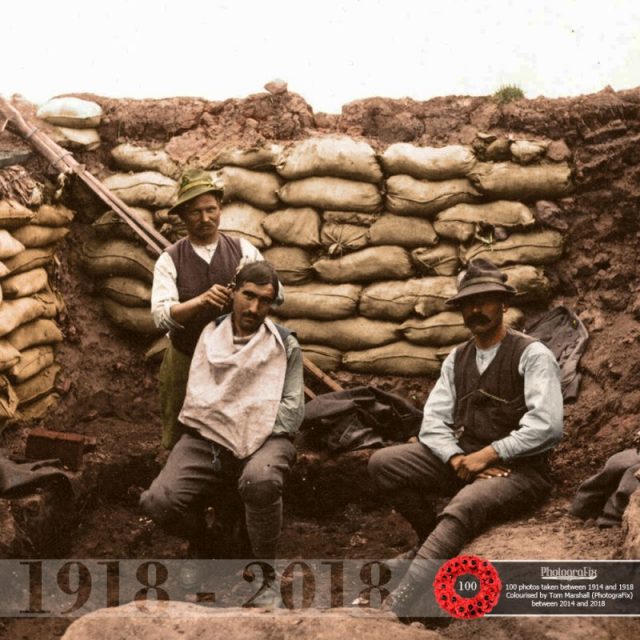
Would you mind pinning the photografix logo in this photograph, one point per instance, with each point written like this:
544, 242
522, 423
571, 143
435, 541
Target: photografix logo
559, 573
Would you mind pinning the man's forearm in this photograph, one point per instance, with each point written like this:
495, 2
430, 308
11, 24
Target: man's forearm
291, 409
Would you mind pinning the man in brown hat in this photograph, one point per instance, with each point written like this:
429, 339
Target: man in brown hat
488, 424
191, 287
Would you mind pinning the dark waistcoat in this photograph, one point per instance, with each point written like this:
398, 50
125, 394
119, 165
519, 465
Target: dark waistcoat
195, 276
489, 406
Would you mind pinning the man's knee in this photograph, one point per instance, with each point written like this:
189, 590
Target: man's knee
161, 505
380, 468
260, 491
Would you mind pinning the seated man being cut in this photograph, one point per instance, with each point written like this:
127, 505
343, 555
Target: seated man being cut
243, 405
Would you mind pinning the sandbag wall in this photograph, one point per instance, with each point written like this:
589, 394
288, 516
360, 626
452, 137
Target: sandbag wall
367, 245
28, 308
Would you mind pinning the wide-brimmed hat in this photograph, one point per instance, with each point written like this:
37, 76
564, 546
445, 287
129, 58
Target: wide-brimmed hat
481, 276
194, 183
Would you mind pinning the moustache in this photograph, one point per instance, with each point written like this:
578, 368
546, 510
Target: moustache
477, 318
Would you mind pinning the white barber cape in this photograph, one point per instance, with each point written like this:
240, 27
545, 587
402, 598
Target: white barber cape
235, 386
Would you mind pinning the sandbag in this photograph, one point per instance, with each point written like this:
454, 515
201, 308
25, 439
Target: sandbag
460, 222
77, 139
448, 327
327, 358
3, 270
38, 386
541, 247
241, 220
342, 238
338, 156
441, 260
374, 263
252, 158
146, 189
33, 235
397, 300
397, 359
320, 301
300, 227
346, 335
444, 163
136, 319
39, 408
71, 112
8, 400
29, 259
509, 181
9, 355
32, 361
111, 225
525, 151
292, 264
351, 217
332, 193
531, 283
126, 291
52, 302
14, 313
50, 215
402, 231
9, 246
117, 258
408, 196
24, 284
134, 158
34, 333
13, 214
258, 188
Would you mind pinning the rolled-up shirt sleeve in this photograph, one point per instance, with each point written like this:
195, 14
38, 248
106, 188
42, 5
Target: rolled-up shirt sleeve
541, 426
164, 292
291, 409
436, 431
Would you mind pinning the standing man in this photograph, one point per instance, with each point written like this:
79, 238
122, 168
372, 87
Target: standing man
244, 403
190, 287
489, 422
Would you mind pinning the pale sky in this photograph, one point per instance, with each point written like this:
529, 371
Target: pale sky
329, 51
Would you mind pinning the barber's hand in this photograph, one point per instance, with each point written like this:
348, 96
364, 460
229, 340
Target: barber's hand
217, 296
494, 472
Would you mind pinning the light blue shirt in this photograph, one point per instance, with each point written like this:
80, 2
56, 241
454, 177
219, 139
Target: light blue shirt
540, 427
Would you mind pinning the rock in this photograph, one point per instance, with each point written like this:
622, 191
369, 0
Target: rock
276, 86
548, 214
181, 621
614, 300
631, 527
558, 151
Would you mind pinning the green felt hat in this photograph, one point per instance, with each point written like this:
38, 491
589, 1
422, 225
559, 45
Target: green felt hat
194, 183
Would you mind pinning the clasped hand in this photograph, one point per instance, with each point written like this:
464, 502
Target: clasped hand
479, 464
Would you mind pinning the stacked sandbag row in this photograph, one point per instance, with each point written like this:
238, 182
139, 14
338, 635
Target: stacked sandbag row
115, 256
28, 308
74, 122
369, 246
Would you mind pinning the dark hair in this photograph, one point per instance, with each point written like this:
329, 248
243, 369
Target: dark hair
260, 273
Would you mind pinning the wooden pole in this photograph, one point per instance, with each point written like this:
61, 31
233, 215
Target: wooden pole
64, 162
